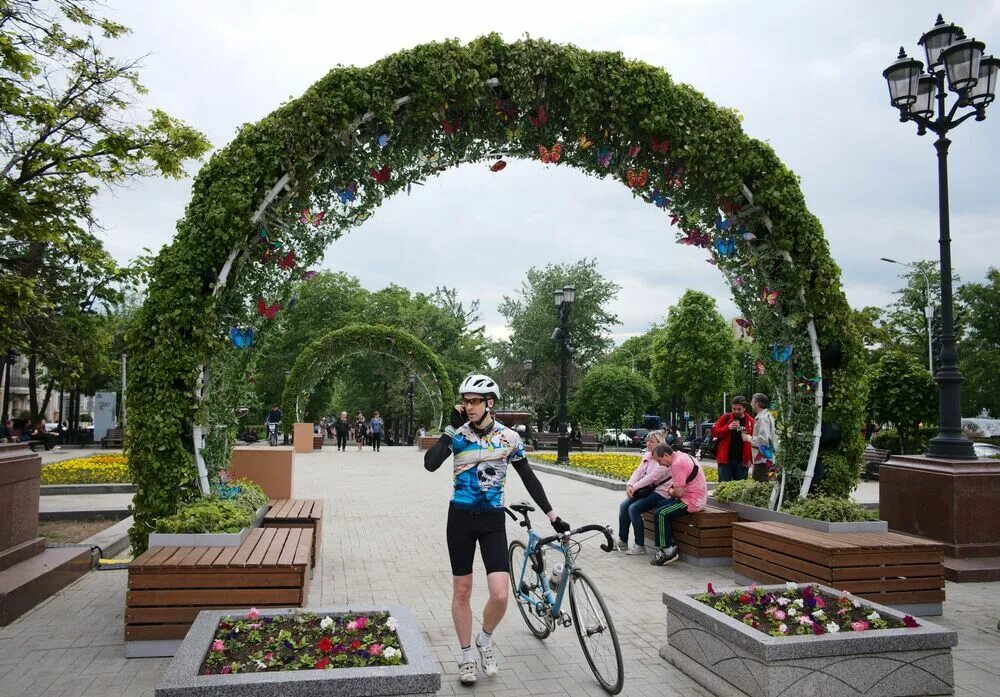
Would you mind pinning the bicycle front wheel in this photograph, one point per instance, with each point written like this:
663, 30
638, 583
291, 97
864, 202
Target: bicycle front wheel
596, 632
531, 586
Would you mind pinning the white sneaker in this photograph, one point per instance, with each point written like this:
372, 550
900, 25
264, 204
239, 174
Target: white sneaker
622, 546
467, 673
636, 550
489, 660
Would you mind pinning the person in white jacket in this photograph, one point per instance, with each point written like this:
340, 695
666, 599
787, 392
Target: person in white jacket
646, 489
763, 439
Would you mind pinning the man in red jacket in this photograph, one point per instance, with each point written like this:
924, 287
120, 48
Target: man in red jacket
733, 454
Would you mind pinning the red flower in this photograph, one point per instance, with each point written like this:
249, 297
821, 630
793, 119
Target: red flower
820, 603
910, 622
355, 645
323, 662
711, 591
817, 628
325, 645
745, 598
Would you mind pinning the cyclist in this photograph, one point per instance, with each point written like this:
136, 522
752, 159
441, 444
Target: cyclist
483, 448
273, 418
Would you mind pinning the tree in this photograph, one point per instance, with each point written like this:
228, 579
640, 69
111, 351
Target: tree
611, 396
66, 131
876, 335
531, 318
979, 354
635, 351
901, 392
694, 355
905, 321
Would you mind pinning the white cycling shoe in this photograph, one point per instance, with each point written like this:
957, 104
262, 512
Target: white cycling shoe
467, 673
489, 659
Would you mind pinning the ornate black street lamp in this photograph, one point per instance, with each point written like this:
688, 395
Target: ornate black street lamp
8, 362
409, 408
972, 77
564, 298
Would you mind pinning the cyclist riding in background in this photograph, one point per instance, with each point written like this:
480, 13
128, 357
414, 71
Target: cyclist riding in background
273, 418
483, 450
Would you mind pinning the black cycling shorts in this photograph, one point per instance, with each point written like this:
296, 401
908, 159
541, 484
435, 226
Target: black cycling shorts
466, 528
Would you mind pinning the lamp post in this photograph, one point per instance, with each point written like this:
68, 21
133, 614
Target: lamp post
927, 308
622, 348
412, 378
972, 77
8, 363
564, 298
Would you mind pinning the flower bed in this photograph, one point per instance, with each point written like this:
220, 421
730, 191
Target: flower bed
613, 465
721, 649
95, 469
303, 642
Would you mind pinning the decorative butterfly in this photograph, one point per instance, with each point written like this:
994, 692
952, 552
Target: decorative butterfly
725, 247
660, 199
637, 180
746, 234
782, 354
362, 216
383, 140
769, 296
713, 262
349, 192
267, 311
381, 176
504, 110
759, 366
633, 151
722, 225
604, 157
695, 238
729, 206
675, 178
241, 338
309, 274
307, 217
660, 146
450, 128
288, 261
674, 219
550, 155
540, 118
743, 324
739, 281
431, 159
809, 384
766, 450
585, 142
498, 165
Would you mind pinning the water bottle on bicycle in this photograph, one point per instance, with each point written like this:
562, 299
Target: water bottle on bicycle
271, 423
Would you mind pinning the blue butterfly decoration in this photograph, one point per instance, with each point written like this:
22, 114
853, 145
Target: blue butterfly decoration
348, 193
383, 140
242, 338
660, 199
726, 246
766, 450
720, 224
782, 354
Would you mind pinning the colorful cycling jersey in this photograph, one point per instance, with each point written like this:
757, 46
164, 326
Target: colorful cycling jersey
481, 464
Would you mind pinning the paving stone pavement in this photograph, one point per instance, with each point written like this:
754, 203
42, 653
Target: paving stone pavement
384, 542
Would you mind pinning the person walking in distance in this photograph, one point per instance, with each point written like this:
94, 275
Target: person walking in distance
762, 440
360, 430
483, 450
341, 427
732, 453
377, 428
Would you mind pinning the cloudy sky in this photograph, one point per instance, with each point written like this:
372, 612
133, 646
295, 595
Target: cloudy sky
805, 75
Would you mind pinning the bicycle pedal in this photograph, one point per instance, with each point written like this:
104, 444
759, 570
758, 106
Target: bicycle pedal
565, 620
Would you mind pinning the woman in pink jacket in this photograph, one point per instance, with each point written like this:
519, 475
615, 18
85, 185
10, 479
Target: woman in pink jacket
655, 480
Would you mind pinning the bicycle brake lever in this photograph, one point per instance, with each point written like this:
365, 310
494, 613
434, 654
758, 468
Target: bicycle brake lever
609, 547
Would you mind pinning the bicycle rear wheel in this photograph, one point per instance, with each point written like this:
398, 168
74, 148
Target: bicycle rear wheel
532, 587
596, 632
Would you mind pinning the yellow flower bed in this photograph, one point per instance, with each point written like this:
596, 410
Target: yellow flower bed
95, 469
613, 465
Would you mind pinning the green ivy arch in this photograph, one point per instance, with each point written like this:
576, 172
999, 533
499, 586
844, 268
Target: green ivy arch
323, 353
442, 104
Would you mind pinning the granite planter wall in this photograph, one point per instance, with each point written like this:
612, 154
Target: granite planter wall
207, 539
731, 659
418, 676
755, 514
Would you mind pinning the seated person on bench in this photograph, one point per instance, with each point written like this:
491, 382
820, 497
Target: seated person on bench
688, 494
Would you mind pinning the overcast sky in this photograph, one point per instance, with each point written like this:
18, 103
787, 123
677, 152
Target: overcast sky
806, 76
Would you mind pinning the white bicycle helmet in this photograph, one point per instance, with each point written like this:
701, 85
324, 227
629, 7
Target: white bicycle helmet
480, 384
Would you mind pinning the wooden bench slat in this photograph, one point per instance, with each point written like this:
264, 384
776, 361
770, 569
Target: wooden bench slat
273, 578
156, 631
858, 573
260, 549
209, 557
239, 597
881, 585
244, 551
145, 556
191, 558
274, 548
787, 568
161, 556
765, 541
303, 551
287, 556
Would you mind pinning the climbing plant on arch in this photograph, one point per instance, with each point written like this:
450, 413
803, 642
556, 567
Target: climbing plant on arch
360, 135
326, 351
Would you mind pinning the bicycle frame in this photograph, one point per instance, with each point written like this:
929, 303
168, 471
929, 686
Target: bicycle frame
553, 597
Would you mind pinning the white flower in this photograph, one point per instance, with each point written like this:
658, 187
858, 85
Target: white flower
874, 616
390, 652
783, 628
799, 602
261, 665
392, 624
326, 622
791, 585
833, 627
820, 615
783, 601
804, 619
856, 603
792, 612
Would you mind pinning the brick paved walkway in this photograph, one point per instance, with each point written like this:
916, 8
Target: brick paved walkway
384, 542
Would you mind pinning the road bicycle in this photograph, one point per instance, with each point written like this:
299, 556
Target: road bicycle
540, 593
272, 433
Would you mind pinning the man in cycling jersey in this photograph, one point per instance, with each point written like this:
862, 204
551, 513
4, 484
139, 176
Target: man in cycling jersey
483, 450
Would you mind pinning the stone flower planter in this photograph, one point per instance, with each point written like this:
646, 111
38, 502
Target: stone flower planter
730, 659
418, 676
207, 539
755, 514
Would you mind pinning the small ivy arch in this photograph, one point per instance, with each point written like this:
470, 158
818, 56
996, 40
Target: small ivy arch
323, 353
269, 203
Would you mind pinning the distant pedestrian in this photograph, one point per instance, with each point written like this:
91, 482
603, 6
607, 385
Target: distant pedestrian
341, 427
762, 440
732, 454
378, 428
360, 430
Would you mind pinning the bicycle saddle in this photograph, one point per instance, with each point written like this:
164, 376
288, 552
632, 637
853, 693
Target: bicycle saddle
522, 507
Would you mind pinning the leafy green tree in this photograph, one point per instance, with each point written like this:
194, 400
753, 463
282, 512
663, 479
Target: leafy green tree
905, 321
876, 335
611, 396
901, 392
635, 352
66, 131
979, 353
694, 355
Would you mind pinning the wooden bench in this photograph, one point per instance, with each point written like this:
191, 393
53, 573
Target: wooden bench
297, 513
317, 442
589, 441
872, 458
704, 538
887, 567
169, 586
115, 437
545, 440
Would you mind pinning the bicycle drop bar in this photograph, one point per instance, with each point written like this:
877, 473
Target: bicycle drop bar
586, 528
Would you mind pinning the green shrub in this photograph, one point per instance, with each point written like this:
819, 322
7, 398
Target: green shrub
888, 439
744, 491
250, 496
206, 515
831, 509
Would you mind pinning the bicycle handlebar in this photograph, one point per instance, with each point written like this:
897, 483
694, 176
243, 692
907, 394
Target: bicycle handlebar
586, 528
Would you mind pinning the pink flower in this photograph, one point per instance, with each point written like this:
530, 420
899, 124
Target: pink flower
269, 656
352, 626
753, 587
253, 613
375, 649
860, 625
779, 614
217, 645
820, 603
226, 670
711, 591
362, 622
